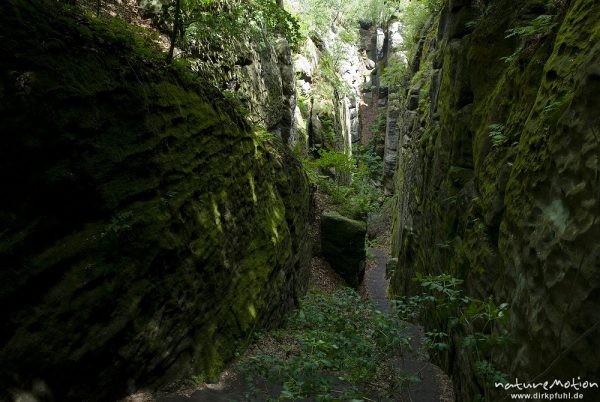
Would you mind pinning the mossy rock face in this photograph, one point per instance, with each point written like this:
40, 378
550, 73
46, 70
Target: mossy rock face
515, 212
343, 246
146, 231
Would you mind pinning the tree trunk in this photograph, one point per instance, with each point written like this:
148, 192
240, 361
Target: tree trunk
176, 24
279, 3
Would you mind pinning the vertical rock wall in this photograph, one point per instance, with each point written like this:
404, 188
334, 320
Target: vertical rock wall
379, 108
147, 232
263, 79
498, 178
327, 115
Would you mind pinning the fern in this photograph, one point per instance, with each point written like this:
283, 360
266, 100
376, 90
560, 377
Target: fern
497, 135
539, 26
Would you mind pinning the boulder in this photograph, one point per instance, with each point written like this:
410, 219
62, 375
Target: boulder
343, 246
149, 231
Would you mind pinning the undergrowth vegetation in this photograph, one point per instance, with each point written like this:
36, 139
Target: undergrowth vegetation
349, 181
414, 17
333, 348
457, 321
324, 15
199, 28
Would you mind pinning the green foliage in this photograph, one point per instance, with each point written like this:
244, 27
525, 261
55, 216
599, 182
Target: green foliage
334, 346
378, 125
541, 25
496, 134
437, 341
482, 7
534, 31
237, 100
367, 155
395, 73
349, 36
119, 223
489, 372
473, 325
347, 180
322, 15
206, 25
372, 161
329, 67
303, 105
552, 111
336, 164
141, 41
414, 16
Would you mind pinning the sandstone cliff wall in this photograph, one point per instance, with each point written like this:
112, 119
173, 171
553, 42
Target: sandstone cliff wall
146, 230
497, 179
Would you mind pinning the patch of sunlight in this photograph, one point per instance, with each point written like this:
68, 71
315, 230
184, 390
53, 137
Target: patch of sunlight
275, 237
252, 310
558, 215
217, 215
254, 197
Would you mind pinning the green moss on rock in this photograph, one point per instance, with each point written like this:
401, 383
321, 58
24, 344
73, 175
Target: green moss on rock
517, 219
148, 231
343, 245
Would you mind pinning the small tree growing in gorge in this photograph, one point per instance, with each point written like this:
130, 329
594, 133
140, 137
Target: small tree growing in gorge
175, 30
199, 28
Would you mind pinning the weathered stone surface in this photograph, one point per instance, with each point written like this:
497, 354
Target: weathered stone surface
355, 130
520, 220
288, 88
391, 136
389, 164
150, 231
413, 102
380, 40
391, 267
343, 246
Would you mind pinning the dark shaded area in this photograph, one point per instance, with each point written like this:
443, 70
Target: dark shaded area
145, 230
343, 246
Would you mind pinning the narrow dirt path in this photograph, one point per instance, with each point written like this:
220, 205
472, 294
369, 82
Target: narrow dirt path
376, 284
433, 384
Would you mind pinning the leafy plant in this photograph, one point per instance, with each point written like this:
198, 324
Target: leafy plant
414, 17
530, 33
199, 28
437, 340
395, 73
489, 372
303, 105
238, 100
553, 110
347, 180
119, 223
541, 25
496, 133
378, 125
335, 345
324, 15
457, 320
